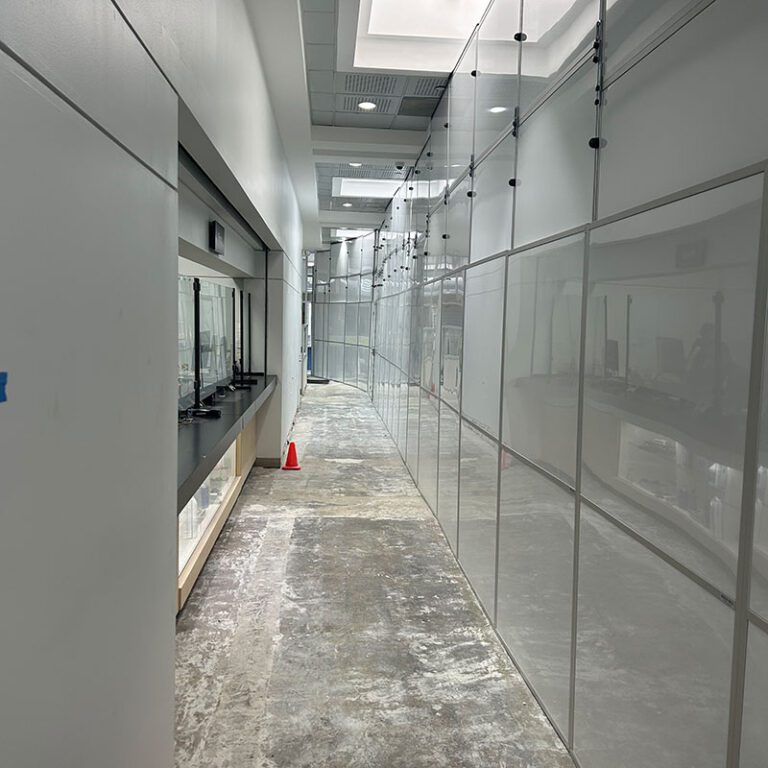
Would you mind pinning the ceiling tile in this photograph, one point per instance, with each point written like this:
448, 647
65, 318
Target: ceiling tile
323, 102
319, 28
321, 80
361, 120
406, 123
329, 6
322, 118
320, 56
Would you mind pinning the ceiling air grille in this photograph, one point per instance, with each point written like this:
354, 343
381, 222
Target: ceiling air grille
425, 86
382, 85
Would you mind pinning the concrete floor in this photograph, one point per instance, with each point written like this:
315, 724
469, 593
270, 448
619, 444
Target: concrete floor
332, 627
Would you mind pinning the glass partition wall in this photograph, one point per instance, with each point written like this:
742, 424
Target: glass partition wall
569, 326
341, 311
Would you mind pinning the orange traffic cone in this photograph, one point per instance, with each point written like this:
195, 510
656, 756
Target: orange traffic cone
292, 462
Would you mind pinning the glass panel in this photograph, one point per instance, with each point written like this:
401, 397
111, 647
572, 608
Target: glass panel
436, 160
434, 255
631, 24
186, 366
541, 360
461, 112
402, 413
558, 35
339, 260
430, 336
338, 289
535, 580
451, 336
754, 737
366, 288
366, 263
497, 73
477, 512
555, 162
350, 327
353, 288
318, 358
654, 659
412, 442
662, 127
335, 322
448, 478
350, 365
457, 225
483, 319
200, 510
664, 428
215, 332
335, 361
363, 356
364, 324
492, 202
322, 267
355, 258
417, 322
428, 448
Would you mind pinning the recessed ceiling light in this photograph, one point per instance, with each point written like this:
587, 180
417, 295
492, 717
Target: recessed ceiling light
356, 165
497, 110
347, 205
366, 105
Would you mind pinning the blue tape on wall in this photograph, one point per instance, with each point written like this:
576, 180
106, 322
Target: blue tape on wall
3, 382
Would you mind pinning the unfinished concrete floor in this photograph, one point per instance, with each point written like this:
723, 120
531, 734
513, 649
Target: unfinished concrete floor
332, 628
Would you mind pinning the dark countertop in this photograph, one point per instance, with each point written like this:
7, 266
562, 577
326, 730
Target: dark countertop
203, 442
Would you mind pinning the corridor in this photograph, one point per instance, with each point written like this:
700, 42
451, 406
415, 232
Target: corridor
332, 627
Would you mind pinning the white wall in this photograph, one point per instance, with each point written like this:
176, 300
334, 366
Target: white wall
88, 210
88, 434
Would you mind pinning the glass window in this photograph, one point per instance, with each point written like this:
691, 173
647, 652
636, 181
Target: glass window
662, 127
668, 336
477, 512
461, 112
653, 659
428, 425
536, 519
363, 367
555, 162
541, 359
322, 267
483, 320
498, 81
186, 367
492, 202
451, 337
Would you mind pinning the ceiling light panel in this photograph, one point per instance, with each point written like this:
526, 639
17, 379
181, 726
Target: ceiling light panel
383, 189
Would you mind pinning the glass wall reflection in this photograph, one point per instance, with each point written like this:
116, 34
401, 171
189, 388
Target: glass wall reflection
669, 327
